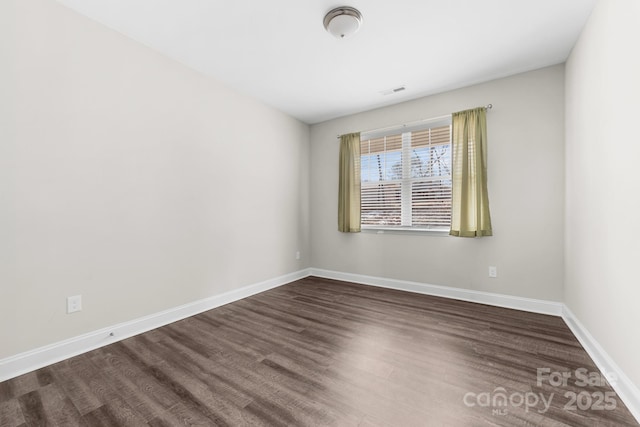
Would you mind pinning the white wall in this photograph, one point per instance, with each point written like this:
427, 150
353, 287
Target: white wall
603, 180
131, 179
526, 180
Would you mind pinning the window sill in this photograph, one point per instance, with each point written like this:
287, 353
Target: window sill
407, 230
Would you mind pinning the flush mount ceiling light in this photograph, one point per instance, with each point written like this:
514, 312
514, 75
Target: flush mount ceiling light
343, 21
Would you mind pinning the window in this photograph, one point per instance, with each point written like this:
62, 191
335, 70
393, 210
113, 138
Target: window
406, 177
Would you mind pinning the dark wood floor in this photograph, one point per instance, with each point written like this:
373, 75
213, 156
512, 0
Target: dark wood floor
320, 352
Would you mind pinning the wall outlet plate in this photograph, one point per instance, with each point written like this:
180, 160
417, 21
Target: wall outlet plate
493, 271
74, 304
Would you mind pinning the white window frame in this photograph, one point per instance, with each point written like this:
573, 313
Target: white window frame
407, 180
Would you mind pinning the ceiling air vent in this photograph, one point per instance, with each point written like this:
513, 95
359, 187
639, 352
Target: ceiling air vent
392, 91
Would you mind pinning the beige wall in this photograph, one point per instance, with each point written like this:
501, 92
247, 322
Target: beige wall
526, 180
130, 179
603, 181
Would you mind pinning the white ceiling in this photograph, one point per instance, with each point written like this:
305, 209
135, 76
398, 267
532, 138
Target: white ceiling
279, 52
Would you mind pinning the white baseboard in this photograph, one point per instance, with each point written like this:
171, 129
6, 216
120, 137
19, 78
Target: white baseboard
623, 386
499, 300
22, 363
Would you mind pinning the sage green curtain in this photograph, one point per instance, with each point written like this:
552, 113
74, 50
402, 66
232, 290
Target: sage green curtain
349, 186
470, 201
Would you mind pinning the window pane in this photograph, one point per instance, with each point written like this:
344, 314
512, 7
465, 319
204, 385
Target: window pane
381, 167
431, 203
381, 204
440, 157
369, 168
420, 161
424, 182
431, 152
393, 165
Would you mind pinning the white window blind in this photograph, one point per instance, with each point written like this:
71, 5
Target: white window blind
406, 177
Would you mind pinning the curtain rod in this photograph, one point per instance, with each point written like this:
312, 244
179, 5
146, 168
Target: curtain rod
486, 107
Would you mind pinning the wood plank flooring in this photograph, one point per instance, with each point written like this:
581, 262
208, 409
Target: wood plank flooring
319, 352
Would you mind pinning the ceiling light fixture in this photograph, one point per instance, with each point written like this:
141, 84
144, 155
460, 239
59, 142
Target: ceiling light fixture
343, 21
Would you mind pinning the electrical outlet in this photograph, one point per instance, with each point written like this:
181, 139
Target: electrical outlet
74, 304
493, 271
297, 254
